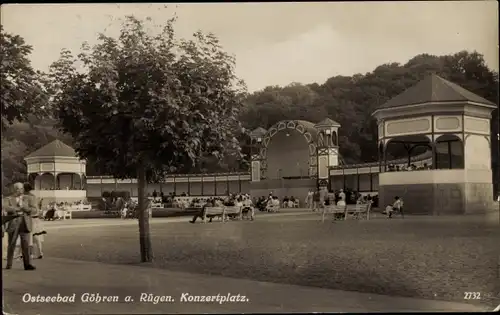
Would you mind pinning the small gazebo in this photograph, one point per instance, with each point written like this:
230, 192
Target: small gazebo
453, 126
57, 173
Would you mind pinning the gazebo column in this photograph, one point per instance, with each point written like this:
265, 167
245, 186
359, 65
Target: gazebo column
39, 178
434, 155
384, 156
56, 181
32, 179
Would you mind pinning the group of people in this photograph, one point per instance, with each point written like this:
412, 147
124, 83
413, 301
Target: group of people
21, 226
55, 211
290, 202
233, 200
324, 197
270, 203
125, 207
411, 167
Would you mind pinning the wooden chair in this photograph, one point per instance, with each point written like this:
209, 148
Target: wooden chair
359, 212
232, 210
335, 210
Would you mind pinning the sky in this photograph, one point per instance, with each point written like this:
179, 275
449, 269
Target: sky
279, 43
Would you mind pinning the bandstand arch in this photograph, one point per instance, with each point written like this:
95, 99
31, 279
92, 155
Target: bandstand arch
306, 129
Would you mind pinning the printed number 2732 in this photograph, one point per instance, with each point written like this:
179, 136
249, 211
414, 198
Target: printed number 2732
472, 295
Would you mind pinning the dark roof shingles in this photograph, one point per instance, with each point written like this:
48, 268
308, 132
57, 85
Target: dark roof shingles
434, 89
54, 148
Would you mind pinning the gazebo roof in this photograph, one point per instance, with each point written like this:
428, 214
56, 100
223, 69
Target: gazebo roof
55, 148
434, 89
327, 122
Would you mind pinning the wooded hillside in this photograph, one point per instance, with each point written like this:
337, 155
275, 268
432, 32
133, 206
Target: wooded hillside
350, 100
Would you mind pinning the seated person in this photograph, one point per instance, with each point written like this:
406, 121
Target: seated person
124, 212
361, 200
201, 213
285, 202
397, 206
238, 203
273, 204
261, 204
248, 208
51, 213
269, 203
388, 211
341, 199
229, 202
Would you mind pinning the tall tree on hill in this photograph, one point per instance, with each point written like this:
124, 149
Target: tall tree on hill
22, 90
273, 104
147, 104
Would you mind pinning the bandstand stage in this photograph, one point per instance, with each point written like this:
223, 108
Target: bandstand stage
443, 129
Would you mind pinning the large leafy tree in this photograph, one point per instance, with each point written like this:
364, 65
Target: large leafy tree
22, 99
147, 103
22, 89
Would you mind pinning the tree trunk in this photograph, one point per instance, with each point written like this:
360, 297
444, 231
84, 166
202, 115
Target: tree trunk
144, 234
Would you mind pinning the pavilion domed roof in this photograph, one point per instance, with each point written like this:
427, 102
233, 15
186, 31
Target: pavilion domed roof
54, 148
434, 89
327, 122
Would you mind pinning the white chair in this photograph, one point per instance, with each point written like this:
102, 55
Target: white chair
67, 214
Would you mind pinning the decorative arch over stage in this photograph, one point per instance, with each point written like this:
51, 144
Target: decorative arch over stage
307, 131
321, 145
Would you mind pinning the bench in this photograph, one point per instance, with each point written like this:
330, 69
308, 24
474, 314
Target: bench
360, 211
232, 211
338, 212
113, 213
211, 212
81, 207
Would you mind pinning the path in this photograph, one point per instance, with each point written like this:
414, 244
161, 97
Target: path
69, 277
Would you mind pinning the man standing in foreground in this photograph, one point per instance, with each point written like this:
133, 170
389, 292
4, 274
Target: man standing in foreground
23, 206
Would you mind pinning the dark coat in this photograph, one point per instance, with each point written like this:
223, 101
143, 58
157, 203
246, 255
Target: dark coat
29, 208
